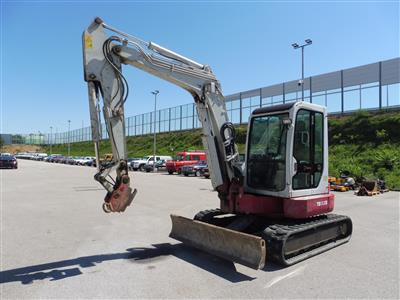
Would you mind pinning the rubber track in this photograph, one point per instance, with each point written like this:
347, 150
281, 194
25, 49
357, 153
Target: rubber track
276, 236
207, 215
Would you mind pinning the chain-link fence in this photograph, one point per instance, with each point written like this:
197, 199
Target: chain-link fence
372, 86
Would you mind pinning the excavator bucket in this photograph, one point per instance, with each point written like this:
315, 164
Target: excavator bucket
243, 248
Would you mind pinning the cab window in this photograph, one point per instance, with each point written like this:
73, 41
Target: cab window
266, 158
308, 149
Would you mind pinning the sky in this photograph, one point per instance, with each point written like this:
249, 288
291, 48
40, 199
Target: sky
246, 43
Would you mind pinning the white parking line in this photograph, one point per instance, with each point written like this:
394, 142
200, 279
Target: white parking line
294, 273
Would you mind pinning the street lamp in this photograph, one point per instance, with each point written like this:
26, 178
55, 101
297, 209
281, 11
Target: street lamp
297, 46
69, 145
155, 93
51, 138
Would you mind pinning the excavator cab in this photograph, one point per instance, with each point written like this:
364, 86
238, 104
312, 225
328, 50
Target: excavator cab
286, 151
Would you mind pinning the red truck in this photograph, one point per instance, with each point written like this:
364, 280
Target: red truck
184, 159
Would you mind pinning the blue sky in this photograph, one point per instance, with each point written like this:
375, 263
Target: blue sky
247, 44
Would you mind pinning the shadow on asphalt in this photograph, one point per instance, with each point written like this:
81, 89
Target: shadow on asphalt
212, 264
72, 267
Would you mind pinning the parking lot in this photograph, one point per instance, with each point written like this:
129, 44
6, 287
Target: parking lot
56, 242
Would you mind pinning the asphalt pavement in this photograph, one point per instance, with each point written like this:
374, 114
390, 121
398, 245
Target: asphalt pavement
56, 242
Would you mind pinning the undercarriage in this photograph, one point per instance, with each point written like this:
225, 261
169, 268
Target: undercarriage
254, 241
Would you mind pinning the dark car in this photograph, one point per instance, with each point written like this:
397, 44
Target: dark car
195, 169
58, 159
50, 157
69, 160
8, 162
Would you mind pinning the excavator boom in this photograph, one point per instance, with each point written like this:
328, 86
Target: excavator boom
103, 57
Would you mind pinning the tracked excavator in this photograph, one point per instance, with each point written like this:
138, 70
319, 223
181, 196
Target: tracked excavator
274, 207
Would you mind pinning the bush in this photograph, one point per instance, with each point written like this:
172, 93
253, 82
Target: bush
363, 127
367, 161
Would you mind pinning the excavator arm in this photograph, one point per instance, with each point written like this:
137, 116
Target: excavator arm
103, 57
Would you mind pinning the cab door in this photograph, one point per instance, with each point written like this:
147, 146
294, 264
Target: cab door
308, 151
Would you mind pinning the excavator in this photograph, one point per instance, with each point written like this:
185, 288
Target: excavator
274, 207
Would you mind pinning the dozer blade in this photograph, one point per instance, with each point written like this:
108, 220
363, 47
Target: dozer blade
243, 248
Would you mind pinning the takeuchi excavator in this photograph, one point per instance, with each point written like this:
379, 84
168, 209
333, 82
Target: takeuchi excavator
273, 207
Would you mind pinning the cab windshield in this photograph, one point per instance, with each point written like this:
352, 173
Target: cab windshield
266, 159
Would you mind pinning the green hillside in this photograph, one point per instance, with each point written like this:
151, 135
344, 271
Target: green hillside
366, 145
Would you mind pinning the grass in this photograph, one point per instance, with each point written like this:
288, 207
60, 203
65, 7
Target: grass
367, 145
167, 144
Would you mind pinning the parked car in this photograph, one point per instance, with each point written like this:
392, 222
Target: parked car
23, 155
51, 157
139, 164
130, 160
71, 160
8, 162
195, 169
38, 156
185, 159
160, 165
91, 162
84, 160
58, 159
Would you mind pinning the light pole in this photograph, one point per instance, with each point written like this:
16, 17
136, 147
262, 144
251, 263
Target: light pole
69, 145
51, 138
155, 93
297, 46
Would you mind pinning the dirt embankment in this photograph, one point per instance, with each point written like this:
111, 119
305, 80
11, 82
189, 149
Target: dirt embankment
13, 149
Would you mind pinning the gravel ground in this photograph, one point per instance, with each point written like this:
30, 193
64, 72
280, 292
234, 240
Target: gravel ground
56, 242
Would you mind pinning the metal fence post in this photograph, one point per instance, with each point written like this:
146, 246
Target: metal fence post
127, 127
341, 89
169, 119
135, 126
192, 116
159, 120
387, 95
240, 108
260, 97
283, 93
380, 85
151, 123
180, 117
